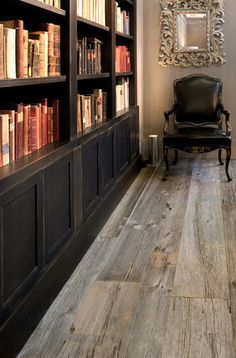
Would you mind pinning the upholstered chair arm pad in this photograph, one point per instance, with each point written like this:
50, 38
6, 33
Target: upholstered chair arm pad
227, 115
167, 115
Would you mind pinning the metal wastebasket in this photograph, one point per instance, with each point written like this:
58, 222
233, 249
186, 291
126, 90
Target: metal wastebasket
153, 149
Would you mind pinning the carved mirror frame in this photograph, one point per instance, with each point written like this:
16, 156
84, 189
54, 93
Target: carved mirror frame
169, 55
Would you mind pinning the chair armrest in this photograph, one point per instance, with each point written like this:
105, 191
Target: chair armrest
167, 114
227, 115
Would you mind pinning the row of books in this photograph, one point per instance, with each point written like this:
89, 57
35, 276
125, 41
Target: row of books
122, 94
93, 10
26, 53
55, 3
91, 109
123, 63
89, 55
122, 20
25, 128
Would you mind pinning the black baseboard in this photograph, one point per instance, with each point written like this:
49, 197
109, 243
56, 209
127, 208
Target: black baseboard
19, 326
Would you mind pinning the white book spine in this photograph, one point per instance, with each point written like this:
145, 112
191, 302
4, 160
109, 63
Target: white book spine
10, 35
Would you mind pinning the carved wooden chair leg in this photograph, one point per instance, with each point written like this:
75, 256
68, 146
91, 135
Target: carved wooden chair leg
220, 157
176, 157
165, 154
228, 156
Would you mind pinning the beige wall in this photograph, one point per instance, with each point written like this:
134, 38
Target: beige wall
157, 80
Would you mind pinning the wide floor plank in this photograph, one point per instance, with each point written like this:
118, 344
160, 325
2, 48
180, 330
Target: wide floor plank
201, 266
155, 225
119, 217
229, 218
198, 328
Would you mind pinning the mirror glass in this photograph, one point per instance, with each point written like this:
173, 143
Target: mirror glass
192, 31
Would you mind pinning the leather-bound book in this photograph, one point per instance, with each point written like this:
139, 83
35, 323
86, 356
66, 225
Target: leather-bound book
4, 131
18, 26
55, 104
11, 114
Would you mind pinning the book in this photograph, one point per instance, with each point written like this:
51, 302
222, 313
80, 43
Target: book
26, 49
1, 52
10, 52
18, 57
4, 131
42, 38
11, 115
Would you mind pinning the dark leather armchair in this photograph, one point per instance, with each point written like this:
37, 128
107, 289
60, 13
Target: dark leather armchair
197, 115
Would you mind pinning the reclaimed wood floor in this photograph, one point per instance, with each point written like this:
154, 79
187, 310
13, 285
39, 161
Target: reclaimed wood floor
159, 280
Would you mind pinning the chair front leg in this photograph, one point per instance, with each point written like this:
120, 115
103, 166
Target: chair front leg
228, 156
220, 157
176, 157
165, 154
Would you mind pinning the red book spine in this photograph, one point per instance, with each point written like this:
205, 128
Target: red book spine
44, 121
50, 111
38, 126
33, 119
55, 104
26, 130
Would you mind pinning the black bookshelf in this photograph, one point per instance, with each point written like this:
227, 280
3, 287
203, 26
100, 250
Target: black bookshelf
40, 5
65, 184
92, 24
29, 81
124, 36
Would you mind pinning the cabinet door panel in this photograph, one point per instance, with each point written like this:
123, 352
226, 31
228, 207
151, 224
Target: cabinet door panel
108, 160
134, 136
21, 238
90, 173
58, 204
123, 145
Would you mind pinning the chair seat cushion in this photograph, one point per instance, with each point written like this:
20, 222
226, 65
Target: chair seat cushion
185, 137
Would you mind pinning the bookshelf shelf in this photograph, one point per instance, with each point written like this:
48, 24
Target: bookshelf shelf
92, 24
126, 2
93, 76
31, 81
124, 74
43, 6
123, 35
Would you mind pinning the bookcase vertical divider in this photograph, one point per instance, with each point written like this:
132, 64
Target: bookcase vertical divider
113, 59
72, 67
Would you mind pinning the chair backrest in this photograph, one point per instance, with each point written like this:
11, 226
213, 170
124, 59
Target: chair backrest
197, 98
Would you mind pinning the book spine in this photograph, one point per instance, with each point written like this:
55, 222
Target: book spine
1, 52
4, 130
19, 48
55, 104
10, 52
26, 130
26, 61
19, 134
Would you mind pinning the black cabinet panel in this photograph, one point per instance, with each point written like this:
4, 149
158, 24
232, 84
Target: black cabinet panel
21, 238
58, 205
123, 147
108, 158
134, 136
90, 174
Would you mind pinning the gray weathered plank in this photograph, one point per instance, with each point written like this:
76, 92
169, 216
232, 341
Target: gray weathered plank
150, 323
229, 219
139, 241
119, 217
201, 267
198, 328
47, 339
101, 326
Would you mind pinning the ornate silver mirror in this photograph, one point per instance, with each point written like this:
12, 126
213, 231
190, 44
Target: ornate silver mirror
191, 33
